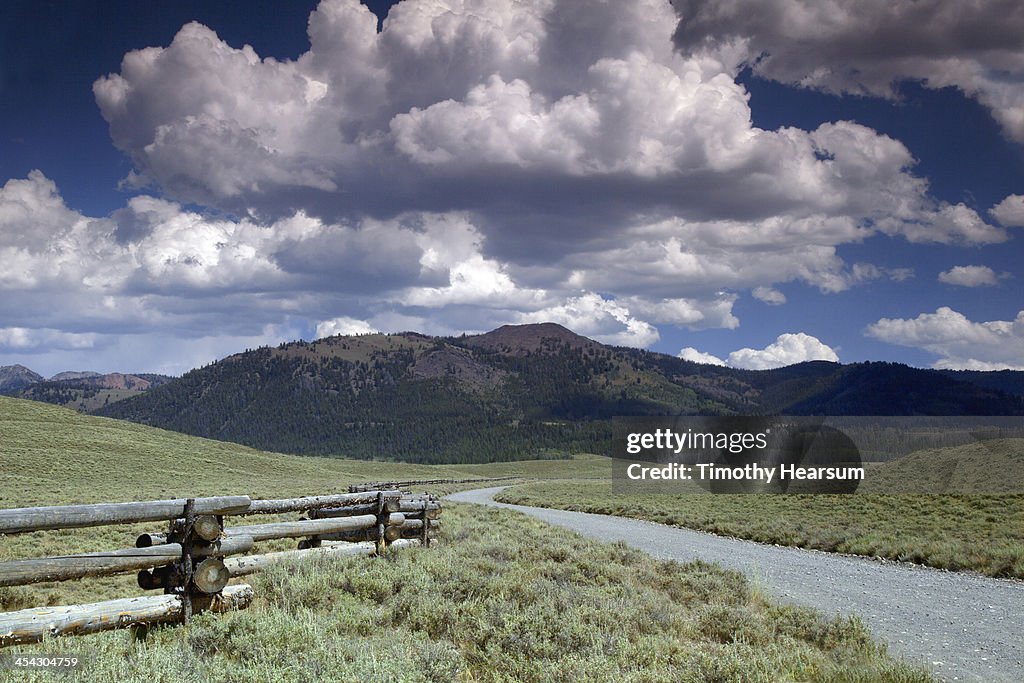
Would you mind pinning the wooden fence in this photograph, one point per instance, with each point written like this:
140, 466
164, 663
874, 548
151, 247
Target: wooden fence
377, 485
193, 561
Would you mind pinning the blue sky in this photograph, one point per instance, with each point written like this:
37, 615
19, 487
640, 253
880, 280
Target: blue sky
732, 181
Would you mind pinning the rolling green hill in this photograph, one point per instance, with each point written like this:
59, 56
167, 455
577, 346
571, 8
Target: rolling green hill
536, 592
53, 455
518, 392
50, 454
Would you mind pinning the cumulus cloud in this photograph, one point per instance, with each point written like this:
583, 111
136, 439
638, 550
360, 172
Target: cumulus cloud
344, 326
43, 243
969, 276
868, 46
787, 349
714, 311
593, 316
691, 354
960, 342
155, 265
551, 129
469, 165
1010, 211
459, 107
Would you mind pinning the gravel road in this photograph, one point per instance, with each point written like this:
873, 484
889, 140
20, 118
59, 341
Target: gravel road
962, 627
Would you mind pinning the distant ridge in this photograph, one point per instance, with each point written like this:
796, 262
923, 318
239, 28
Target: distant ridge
71, 374
83, 390
519, 391
15, 377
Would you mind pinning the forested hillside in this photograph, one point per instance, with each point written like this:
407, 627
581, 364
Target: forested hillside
518, 392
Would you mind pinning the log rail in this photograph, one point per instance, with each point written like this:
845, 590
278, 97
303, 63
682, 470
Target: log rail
194, 560
372, 486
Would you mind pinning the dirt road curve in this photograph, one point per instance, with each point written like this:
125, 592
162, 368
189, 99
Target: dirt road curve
962, 627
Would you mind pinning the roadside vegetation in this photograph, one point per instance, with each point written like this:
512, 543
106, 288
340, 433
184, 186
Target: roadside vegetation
502, 597
983, 533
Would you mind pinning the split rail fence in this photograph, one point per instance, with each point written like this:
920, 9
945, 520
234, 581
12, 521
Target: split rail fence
358, 488
194, 560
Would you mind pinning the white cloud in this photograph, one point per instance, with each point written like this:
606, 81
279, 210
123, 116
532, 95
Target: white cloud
634, 115
500, 123
868, 46
475, 280
473, 93
769, 295
700, 259
947, 224
472, 164
45, 245
714, 311
34, 202
787, 349
1010, 211
691, 354
343, 326
969, 276
207, 120
593, 316
960, 342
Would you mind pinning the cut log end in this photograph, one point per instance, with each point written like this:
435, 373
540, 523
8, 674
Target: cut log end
150, 540
207, 527
211, 576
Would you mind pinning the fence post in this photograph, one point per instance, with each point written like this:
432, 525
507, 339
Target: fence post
186, 560
382, 521
185, 579
425, 529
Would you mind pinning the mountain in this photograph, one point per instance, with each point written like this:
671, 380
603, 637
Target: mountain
521, 340
516, 392
84, 391
13, 378
71, 374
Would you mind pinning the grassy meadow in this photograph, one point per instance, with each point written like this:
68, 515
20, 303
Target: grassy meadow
977, 532
55, 456
501, 597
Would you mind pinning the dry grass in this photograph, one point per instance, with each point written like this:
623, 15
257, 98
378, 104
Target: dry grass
974, 532
502, 598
